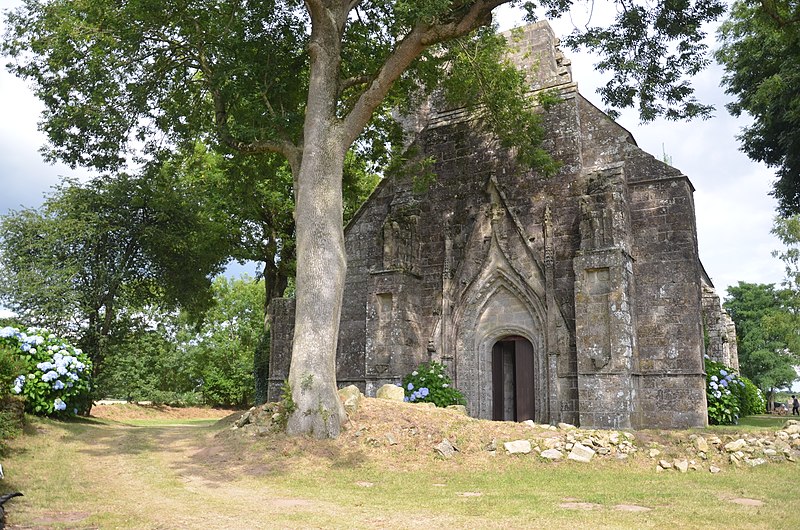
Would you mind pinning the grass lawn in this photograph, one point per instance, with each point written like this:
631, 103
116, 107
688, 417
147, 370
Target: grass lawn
199, 474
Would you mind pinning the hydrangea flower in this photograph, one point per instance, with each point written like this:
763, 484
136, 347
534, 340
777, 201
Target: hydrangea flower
59, 405
410, 386
714, 378
58, 385
19, 382
423, 392
723, 372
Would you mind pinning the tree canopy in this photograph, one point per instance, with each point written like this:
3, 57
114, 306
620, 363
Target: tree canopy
93, 251
766, 334
761, 54
309, 81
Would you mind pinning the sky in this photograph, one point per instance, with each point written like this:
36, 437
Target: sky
732, 202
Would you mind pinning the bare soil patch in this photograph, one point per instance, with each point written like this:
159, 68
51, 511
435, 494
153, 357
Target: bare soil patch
129, 411
747, 502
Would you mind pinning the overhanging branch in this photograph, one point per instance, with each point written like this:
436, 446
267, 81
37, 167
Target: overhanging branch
423, 35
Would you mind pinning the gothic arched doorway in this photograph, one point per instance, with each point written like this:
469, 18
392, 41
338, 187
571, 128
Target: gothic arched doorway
512, 380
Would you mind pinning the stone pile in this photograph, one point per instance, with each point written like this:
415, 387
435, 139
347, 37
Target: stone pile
753, 450
566, 442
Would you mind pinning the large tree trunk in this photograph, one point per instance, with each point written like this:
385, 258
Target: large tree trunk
320, 239
320, 284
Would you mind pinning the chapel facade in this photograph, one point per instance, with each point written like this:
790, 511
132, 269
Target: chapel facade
571, 298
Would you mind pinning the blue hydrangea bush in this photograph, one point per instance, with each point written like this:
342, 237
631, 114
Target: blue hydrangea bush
430, 384
55, 378
729, 395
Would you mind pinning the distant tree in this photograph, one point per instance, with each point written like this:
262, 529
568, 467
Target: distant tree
760, 51
95, 252
787, 229
222, 349
766, 333
308, 81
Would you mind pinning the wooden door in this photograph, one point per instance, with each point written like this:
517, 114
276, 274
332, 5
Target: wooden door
523, 379
512, 380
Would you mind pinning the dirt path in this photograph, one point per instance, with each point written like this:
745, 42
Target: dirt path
149, 469
164, 477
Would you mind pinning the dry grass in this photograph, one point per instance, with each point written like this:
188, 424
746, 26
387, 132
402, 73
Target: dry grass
105, 473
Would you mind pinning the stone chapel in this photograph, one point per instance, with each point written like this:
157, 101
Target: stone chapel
574, 298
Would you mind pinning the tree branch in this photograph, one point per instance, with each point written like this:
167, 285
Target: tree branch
344, 84
409, 48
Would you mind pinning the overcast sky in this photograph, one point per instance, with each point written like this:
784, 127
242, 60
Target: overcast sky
734, 210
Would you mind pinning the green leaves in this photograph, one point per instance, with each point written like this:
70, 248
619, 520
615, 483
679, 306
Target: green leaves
653, 51
760, 51
480, 76
97, 251
766, 328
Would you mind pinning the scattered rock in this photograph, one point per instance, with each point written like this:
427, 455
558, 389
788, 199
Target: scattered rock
681, 465
491, 446
458, 408
736, 445
664, 464
714, 469
652, 453
244, 420
391, 392
792, 429
753, 462
581, 453
390, 439
566, 426
529, 423
518, 447
364, 484
351, 398
701, 444
445, 448
552, 454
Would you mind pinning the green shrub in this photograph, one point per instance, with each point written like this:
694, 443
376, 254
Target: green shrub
430, 384
10, 421
54, 376
751, 400
723, 389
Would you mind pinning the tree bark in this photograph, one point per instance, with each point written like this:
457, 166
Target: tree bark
321, 260
320, 285
320, 239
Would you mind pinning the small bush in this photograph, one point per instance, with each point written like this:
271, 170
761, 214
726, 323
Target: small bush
430, 384
723, 391
10, 419
751, 400
54, 376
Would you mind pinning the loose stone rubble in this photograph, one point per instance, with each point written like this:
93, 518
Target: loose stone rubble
696, 452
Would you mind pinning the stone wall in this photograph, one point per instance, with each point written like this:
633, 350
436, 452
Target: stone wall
597, 267
718, 328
